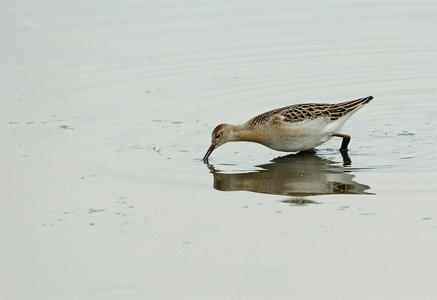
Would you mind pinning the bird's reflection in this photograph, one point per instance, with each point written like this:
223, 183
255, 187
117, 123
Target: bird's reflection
297, 175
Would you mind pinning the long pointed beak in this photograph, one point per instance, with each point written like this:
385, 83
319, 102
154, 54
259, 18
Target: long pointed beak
208, 153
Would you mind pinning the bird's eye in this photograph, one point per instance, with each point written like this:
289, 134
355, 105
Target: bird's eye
218, 135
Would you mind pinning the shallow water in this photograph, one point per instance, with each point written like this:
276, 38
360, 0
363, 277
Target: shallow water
107, 110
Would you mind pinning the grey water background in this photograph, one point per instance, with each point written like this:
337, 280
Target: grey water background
107, 110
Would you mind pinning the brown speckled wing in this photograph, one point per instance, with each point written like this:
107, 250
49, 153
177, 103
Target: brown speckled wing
300, 112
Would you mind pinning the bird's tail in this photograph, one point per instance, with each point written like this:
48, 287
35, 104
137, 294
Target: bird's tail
354, 104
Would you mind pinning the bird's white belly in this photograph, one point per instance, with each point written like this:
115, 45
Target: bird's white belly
301, 136
297, 143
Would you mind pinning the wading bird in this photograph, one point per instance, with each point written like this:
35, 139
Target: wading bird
299, 127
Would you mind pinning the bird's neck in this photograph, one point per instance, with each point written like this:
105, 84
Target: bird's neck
243, 133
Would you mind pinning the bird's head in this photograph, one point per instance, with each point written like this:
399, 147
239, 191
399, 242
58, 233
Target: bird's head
222, 134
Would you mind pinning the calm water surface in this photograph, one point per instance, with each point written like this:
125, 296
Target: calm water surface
107, 110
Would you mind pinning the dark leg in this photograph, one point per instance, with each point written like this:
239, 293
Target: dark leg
346, 140
346, 159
